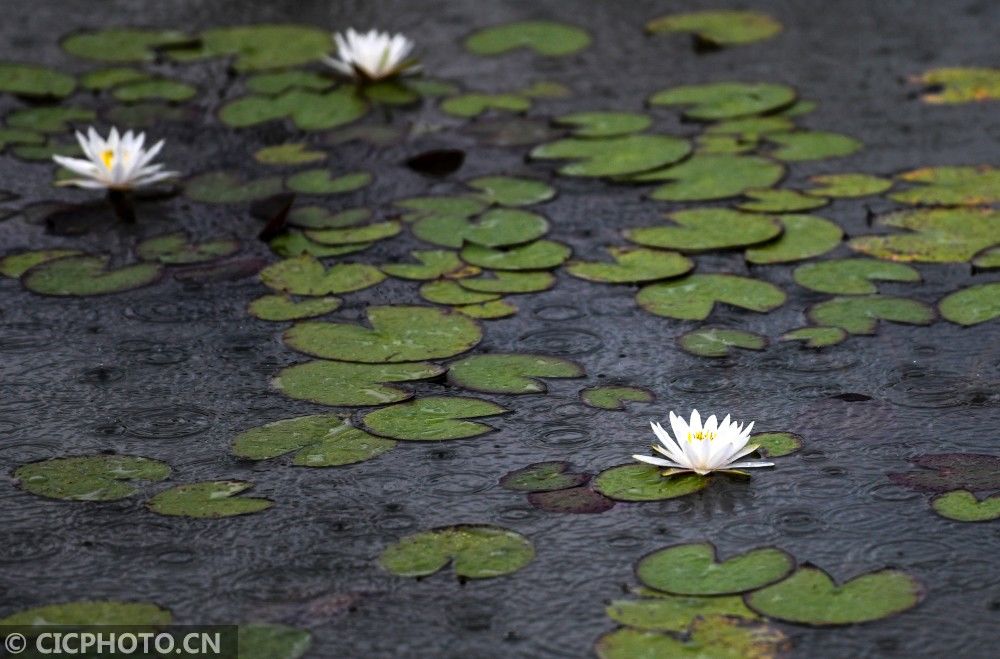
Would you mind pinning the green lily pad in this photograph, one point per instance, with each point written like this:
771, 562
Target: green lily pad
510, 374
861, 314
776, 444
424, 207
805, 236
281, 81
268, 641
121, 44
54, 119
614, 398
972, 305
848, 185
488, 310
156, 89
20, 136
15, 265
317, 217
632, 266
475, 104
708, 229
752, 127
718, 637
305, 275
398, 334
319, 440
726, 100
950, 186
177, 249
935, 235
498, 227
674, 613
308, 110
539, 255
87, 275
705, 177
445, 291
89, 477
44, 152
852, 276
512, 191
810, 597
91, 612
780, 201
543, 477
719, 28
816, 337
319, 181
694, 296
717, 342
475, 551
710, 144
349, 383
605, 124
295, 243
390, 92
291, 153
281, 307
546, 38
223, 187
961, 84
613, 156
694, 569
546, 89
260, 47
642, 482
434, 263
207, 500
35, 81
112, 77
963, 506
812, 145
357, 234
988, 259
510, 282
432, 419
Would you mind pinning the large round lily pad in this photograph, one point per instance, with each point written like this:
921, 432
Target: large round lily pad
694, 569
935, 235
861, 314
208, 500
351, 383
852, 276
613, 156
643, 482
804, 236
475, 551
513, 191
704, 177
434, 418
726, 100
510, 374
539, 255
632, 266
951, 186
319, 440
87, 275
543, 37
89, 477
494, 228
718, 342
694, 296
305, 275
433, 263
719, 28
972, 305
707, 229
91, 612
963, 506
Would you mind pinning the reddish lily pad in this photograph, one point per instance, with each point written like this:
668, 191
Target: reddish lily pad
576, 500
944, 472
207, 500
543, 477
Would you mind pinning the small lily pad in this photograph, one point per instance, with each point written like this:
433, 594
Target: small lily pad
546, 38
852, 276
318, 217
177, 249
475, 551
717, 342
972, 305
510, 282
574, 500
988, 259
543, 477
710, 636
694, 296
268, 641
632, 266
350, 383
752, 127
87, 275
811, 597
707, 229
944, 472
354, 235
319, 440
605, 124
674, 613
694, 569
498, 227
475, 104
295, 243
112, 77
208, 500
816, 337
281, 307
513, 191
705, 177
399, 334
848, 185
91, 612
539, 255
34, 81
613, 156
54, 119
434, 263
222, 187
723, 144
951, 186
20, 137
780, 201
776, 444
861, 314
446, 291
812, 145
89, 477
961, 84
510, 374
719, 28
155, 89
319, 181
121, 44
488, 310
963, 506
935, 235
308, 110
444, 206
642, 482
305, 275
434, 418
726, 100
291, 153
15, 265
614, 397
805, 236
276, 83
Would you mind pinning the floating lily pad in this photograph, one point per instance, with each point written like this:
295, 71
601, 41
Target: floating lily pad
642, 482
89, 477
861, 314
944, 472
177, 249
605, 124
276, 83
780, 201
475, 104
291, 153
390, 92
513, 191
295, 243
961, 84
281, 307
319, 181
711, 636
356, 234
91, 612
543, 37
208, 500
434, 418
812, 145
848, 185
495, 228
112, 77
852, 276
723, 144
15, 265
613, 156
156, 89
811, 597
305, 275
951, 186
704, 177
694, 569
694, 297
488, 310
510, 282
20, 136
543, 477
319, 440
510, 374
260, 47
35, 81
717, 342
805, 236
674, 613
574, 500
434, 263
936, 235
445, 291
398, 334
121, 44
776, 444
349, 383
317, 217
614, 398
268, 641
719, 28
752, 127
539, 255
227, 188
972, 305
424, 207
988, 259
475, 551
707, 229
87, 275
632, 266
963, 506
726, 100
54, 119
816, 337
309, 110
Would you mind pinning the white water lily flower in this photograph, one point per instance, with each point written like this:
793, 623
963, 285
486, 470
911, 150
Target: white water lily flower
372, 56
117, 163
701, 448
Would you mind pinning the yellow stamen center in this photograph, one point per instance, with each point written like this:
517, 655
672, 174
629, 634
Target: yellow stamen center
107, 157
702, 434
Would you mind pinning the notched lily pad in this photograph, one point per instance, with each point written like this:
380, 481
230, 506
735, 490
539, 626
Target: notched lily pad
208, 500
812, 145
952, 471
319, 440
446, 291
694, 296
614, 397
848, 185
575, 500
951, 186
543, 37
87, 275
276, 83
852, 276
642, 482
726, 100
354, 235
475, 551
510, 282
510, 374
296, 243
475, 104
89, 477
972, 305
434, 418
121, 44
776, 444
539, 255
718, 342
543, 477
719, 28
259, 47
488, 310
177, 249
780, 201
705, 177
632, 265
223, 187
434, 263
963, 506
707, 229
281, 307
816, 337
15, 265
350, 383
613, 156
319, 181
318, 217
804, 236
306, 275
861, 314
291, 153
512, 191
935, 235
710, 636
961, 84
605, 124
674, 613
694, 569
